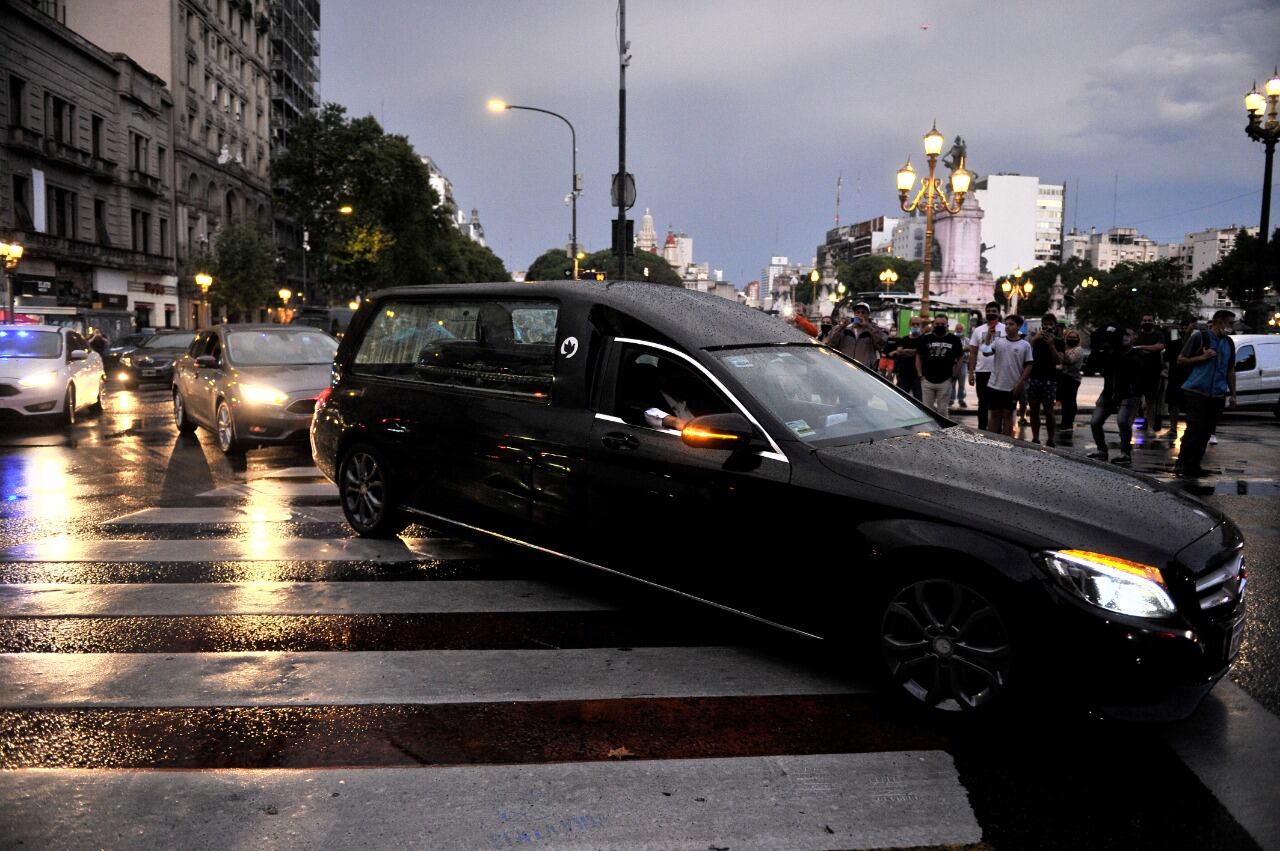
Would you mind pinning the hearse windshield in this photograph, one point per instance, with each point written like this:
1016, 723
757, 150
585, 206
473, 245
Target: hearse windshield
821, 397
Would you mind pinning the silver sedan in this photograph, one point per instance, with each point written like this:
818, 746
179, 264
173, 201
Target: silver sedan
252, 384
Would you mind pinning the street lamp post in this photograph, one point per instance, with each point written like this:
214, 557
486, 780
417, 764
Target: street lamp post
10, 254
1015, 288
343, 210
933, 197
888, 277
498, 105
285, 294
1257, 104
204, 280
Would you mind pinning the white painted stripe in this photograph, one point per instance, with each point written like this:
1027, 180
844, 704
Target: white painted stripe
311, 472
258, 678
1232, 743
221, 514
873, 800
262, 547
280, 489
290, 598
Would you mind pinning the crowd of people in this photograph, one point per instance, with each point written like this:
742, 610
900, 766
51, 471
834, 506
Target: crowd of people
1034, 378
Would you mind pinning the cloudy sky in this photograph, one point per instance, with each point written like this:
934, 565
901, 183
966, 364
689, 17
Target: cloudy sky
742, 114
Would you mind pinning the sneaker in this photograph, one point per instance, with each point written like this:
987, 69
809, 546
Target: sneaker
1123, 460
1097, 456
1213, 440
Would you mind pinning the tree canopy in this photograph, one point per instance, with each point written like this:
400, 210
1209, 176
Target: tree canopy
863, 276
1131, 289
1245, 272
396, 232
554, 264
243, 267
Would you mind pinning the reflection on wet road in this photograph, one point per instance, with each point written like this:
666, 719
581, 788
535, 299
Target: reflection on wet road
165, 607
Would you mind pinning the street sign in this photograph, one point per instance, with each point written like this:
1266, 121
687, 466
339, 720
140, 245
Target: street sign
624, 241
629, 197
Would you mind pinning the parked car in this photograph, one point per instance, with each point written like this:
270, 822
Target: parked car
152, 361
47, 371
252, 384
331, 319
121, 347
1258, 371
681, 439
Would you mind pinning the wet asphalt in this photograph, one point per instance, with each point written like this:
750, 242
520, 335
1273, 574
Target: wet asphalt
1036, 779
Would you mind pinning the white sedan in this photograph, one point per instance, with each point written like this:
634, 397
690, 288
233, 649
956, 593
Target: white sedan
47, 371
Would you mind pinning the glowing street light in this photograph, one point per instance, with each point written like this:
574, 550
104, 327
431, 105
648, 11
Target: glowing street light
10, 254
1015, 288
888, 277
933, 197
204, 280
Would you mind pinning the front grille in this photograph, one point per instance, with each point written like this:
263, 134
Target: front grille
9, 390
302, 406
1221, 583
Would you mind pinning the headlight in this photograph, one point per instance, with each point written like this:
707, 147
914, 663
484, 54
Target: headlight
1116, 584
127, 360
40, 379
259, 394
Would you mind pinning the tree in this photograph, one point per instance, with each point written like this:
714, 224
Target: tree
1073, 271
397, 232
555, 265
1245, 273
1132, 289
243, 270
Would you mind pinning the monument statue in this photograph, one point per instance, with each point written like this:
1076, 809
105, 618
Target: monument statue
982, 251
955, 157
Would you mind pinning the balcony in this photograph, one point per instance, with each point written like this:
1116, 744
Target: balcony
43, 245
144, 182
23, 139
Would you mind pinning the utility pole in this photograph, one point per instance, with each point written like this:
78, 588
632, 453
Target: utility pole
622, 186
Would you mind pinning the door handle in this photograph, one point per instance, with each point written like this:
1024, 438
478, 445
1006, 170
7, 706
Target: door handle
619, 440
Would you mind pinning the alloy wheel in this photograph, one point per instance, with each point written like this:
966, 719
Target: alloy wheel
226, 428
946, 645
364, 489
69, 406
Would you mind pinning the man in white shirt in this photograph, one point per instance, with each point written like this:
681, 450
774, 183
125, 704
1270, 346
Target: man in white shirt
980, 358
1011, 360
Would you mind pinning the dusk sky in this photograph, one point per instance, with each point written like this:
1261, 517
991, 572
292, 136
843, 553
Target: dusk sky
742, 114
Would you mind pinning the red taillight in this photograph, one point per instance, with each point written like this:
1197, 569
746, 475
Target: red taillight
323, 397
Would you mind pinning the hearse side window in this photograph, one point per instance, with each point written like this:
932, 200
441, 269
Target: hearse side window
648, 378
505, 347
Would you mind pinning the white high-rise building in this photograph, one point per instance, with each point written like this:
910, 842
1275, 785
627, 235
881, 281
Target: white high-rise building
1109, 248
1023, 222
908, 238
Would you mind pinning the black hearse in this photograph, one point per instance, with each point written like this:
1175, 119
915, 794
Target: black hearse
690, 442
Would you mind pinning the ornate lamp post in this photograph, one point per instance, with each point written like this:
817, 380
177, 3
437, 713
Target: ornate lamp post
499, 105
1015, 288
888, 277
10, 253
933, 197
1089, 282
285, 294
1267, 131
203, 280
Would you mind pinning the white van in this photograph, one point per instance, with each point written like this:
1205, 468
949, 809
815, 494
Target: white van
1258, 371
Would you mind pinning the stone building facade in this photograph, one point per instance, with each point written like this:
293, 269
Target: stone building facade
87, 179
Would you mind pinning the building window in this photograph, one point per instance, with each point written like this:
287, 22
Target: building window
96, 135
22, 202
162, 163
191, 72
141, 229
63, 206
59, 119
17, 101
100, 222
164, 237
139, 152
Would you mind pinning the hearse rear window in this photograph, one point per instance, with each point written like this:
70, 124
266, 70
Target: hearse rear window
506, 347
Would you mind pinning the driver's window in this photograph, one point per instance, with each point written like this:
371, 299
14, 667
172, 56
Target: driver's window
652, 380
1246, 361
215, 349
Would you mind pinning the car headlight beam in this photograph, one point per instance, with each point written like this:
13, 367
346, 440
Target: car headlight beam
260, 394
1115, 584
39, 379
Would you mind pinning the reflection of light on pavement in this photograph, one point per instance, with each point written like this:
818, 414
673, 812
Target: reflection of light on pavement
47, 488
260, 532
56, 548
124, 401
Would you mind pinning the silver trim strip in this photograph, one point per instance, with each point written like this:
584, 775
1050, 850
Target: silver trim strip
777, 453
519, 543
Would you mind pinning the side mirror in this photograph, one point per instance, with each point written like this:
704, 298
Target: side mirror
206, 362
79, 354
718, 431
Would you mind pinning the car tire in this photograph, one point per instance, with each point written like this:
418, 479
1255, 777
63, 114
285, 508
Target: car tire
183, 422
225, 430
366, 494
68, 418
947, 643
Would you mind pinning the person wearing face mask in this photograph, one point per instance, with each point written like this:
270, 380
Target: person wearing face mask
1121, 389
1042, 387
936, 357
1150, 345
1010, 369
1210, 387
1069, 380
903, 352
980, 360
